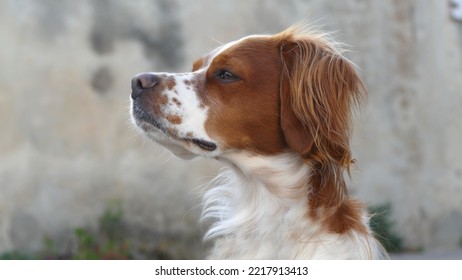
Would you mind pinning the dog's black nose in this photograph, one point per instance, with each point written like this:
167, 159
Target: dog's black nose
143, 81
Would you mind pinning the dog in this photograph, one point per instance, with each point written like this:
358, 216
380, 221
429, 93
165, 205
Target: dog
277, 109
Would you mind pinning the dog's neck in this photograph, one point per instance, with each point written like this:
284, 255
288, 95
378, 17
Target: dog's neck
259, 196
282, 177
259, 209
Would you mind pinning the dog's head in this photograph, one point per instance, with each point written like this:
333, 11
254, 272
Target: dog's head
266, 95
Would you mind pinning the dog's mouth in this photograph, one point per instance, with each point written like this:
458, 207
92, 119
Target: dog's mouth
204, 145
149, 123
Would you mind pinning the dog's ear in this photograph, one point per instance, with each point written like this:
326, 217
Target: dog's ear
296, 133
318, 88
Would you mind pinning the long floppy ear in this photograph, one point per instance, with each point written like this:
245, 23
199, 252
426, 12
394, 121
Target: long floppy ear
318, 88
296, 133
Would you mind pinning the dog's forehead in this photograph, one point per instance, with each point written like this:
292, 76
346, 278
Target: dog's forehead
207, 59
210, 56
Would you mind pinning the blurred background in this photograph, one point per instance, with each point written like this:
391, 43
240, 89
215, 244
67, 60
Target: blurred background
77, 181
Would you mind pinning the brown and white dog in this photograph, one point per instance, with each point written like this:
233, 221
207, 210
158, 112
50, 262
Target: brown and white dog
277, 109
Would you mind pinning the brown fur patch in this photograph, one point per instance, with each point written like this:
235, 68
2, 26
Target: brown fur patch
198, 64
170, 82
174, 119
328, 201
346, 217
162, 99
154, 102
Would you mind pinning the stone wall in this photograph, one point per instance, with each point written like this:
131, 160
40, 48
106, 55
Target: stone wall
68, 150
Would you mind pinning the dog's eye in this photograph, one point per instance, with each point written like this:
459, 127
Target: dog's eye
226, 76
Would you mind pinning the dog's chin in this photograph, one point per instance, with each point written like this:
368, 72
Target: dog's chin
158, 136
177, 150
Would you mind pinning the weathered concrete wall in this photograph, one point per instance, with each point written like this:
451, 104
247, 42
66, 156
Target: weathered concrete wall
67, 148
408, 142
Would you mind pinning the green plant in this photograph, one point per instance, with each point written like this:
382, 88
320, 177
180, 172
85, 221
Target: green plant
108, 243
112, 239
382, 226
16, 256
87, 247
91, 247
111, 222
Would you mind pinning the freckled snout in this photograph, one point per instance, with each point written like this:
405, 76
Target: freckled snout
142, 82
